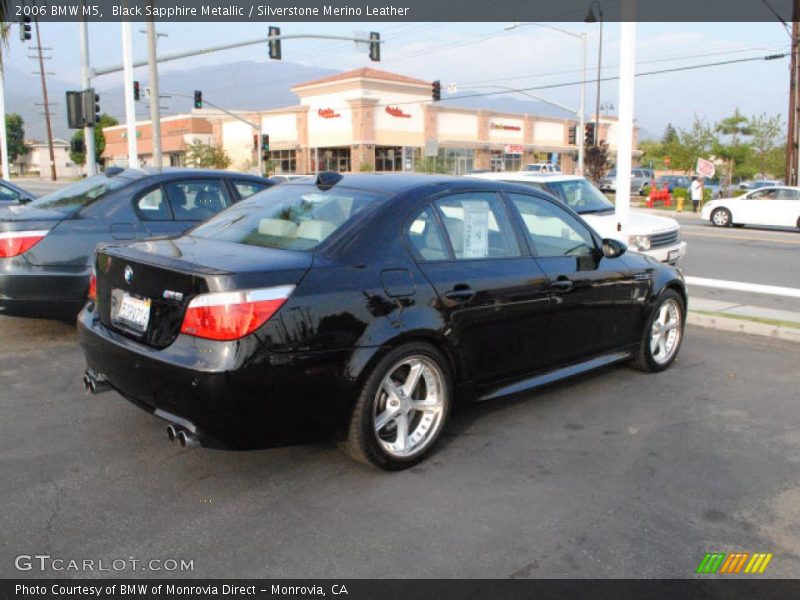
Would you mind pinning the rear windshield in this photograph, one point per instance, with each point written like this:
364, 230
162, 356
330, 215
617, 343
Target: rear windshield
80, 194
292, 217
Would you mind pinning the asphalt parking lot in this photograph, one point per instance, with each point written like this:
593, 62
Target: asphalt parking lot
618, 474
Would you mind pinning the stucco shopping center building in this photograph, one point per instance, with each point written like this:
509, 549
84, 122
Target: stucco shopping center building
367, 119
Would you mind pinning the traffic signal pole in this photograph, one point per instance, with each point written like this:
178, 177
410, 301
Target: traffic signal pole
627, 62
130, 105
3, 139
155, 98
88, 130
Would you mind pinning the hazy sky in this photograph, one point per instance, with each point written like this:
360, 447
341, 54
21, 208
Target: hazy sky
486, 54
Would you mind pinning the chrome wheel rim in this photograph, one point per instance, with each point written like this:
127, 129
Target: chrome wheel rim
665, 334
720, 218
409, 406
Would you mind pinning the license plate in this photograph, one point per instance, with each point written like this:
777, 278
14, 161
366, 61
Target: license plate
134, 312
673, 255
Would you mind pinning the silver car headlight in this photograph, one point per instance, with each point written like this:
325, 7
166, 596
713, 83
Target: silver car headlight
639, 242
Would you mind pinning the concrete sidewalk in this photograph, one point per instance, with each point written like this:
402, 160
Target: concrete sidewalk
742, 318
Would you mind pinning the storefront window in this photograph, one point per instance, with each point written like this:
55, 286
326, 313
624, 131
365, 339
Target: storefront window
388, 158
505, 162
331, 159
283, 161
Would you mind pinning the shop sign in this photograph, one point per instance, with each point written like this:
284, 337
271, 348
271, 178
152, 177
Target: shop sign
396, 111
514, 149
328, 113
504, 127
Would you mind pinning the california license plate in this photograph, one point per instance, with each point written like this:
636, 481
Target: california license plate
134, 312
673, 255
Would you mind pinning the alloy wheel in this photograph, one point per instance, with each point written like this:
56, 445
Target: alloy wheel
720, 218
409, 406
665, 333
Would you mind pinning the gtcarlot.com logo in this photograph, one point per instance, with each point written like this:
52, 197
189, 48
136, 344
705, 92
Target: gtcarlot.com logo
46, 562
734, 563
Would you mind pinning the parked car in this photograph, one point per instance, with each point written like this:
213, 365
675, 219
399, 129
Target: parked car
774, 206
670, 182
13, 194
46, 246
714, 187
284, 177
656, 236
542, 168
365, 305
639, 178
758, 184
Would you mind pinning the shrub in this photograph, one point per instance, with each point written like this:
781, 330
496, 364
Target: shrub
366, 168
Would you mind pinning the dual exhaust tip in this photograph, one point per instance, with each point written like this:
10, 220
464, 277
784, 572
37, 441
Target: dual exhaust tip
94, 383
184, 437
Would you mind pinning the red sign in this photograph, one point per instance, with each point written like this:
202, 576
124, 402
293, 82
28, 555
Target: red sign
397, 112
514, 149
328, 113
505, 127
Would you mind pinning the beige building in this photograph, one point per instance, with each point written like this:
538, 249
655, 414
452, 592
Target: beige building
36, 162
368, 119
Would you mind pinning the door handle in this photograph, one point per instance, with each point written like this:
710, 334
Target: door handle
462, 294
562, 284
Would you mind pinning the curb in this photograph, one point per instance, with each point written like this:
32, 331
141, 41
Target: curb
721, 323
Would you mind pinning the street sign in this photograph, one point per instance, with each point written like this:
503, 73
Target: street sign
431, 148
705, 168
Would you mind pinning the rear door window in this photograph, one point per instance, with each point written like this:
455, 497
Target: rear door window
247, 188
152, 206
427, 238
477, 226
196, 199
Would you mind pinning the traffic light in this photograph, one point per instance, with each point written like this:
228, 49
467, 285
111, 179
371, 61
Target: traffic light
25, 29
91, 107
136, 91
573, 135
274, 45
374, 46
75, 110
265, 142
588, 136
198, 99
436, 90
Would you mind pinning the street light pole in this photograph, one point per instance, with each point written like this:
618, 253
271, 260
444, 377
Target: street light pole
155, 98
582, 110
88, 130
590, 18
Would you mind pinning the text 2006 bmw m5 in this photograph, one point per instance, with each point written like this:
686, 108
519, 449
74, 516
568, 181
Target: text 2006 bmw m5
364, 306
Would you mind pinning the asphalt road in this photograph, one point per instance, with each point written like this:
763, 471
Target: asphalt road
618, 474
40, 187
762, 256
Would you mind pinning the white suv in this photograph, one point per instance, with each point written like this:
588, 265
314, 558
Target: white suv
659, 237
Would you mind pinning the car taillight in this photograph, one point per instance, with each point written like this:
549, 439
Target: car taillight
93, 286
232, 315
14, 243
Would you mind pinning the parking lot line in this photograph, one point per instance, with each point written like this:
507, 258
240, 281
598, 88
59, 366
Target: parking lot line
742, 286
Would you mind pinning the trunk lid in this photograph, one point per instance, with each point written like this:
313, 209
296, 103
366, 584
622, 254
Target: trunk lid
163, 276
22, 217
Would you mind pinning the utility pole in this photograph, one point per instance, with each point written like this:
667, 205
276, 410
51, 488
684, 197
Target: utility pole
627, 62
46, 103
130, 106
3, 139
155, 99
88, 130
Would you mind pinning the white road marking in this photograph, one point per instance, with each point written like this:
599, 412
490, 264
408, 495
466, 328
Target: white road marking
742, 286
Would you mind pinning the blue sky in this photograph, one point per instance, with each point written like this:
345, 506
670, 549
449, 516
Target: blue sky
477, 54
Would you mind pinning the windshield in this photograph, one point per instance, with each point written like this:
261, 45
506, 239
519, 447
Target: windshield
289, 216
581, 196
80, 194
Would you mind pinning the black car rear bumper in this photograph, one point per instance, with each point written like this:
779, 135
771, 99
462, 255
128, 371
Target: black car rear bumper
32, 289
232, 401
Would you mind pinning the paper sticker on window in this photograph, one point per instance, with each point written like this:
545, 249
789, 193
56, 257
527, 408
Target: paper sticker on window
476, 228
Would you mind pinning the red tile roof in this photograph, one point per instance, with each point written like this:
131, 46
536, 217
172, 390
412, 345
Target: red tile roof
365, 73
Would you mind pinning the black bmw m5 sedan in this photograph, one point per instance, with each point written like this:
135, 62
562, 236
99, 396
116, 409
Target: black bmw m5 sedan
366, 306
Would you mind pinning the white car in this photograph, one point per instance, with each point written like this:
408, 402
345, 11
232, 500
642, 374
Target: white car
778, 206
655, 236
541, 168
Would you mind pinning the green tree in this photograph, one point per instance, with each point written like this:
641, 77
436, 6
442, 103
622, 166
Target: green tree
15, 136
735, 126
210, 156
79, 158
691, 144
670, 135
766, 134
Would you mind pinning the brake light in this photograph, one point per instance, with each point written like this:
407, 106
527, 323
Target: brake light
93, 286
14, 243
232, 315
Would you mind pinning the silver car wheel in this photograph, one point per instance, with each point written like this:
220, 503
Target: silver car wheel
665, 334
409, 406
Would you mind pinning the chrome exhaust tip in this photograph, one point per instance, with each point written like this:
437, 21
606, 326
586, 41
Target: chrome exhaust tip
186, 439
95, 384
172, 433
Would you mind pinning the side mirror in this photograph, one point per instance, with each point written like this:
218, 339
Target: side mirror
24, 199
613, 248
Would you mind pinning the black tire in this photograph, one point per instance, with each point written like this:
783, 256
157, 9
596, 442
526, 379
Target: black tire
645, 359
721, 217
798, 222
740, 225
362, 442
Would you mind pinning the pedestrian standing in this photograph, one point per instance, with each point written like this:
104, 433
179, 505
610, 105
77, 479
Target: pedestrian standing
697, 193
